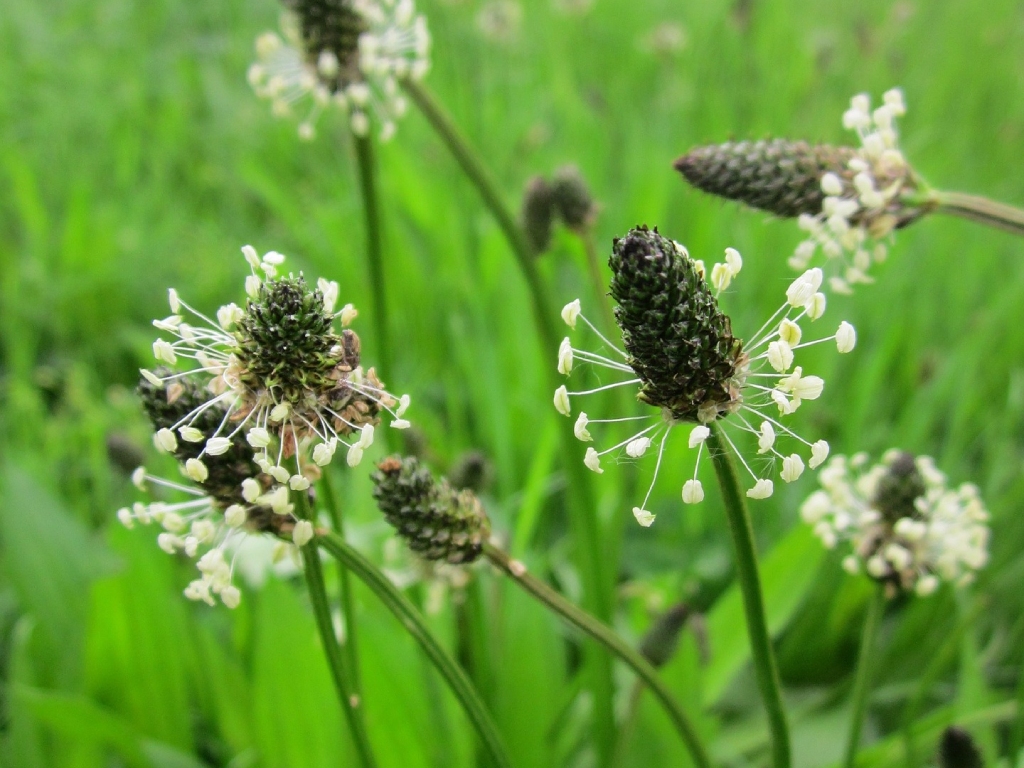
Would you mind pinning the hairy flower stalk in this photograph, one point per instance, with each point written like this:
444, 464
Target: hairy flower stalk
681, 354
345, 54
437, 521
846, 199
908, 530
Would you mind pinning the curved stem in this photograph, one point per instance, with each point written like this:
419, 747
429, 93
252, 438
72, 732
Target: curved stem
981, 210
351, 703
597, 586
414, 624
862, 682
374, 248
347, 603
749, 579
606, 637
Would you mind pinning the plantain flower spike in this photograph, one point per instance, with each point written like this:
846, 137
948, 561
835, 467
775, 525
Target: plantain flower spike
438, 522
905, 526
847, 199
349, 55
686, 363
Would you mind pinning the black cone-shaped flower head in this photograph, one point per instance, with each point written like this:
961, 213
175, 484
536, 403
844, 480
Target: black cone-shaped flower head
958, 750
679, 342
331, 28
572, 199
287, 343
898, 489
779, 176
438, 522
538, 214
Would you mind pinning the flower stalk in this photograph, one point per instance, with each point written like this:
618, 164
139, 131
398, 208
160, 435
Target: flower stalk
351, 703
596, 586
980, 210
765, 667
862, 682
374, 249
611, 641
347, 603
414, 624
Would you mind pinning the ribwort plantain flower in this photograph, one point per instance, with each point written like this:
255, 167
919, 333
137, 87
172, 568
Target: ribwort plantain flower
908, 529
847, 199
278, 374
863, 201
346, 54
681, 354
233, 498
438, 522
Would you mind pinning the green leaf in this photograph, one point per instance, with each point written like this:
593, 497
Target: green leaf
50, 560
77, 718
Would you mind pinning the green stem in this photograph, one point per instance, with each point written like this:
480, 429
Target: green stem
597, 281
597, 586
374, 248
862, 682
980, 210
747, 574
414, 624
351, 703
347, 602
606, 637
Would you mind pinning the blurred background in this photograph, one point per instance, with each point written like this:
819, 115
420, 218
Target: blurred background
134, 156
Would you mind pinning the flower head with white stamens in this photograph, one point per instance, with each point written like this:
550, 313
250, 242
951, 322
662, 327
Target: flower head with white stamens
681, 354
907, 528
864, 200
229, 499
283, 381
346, 54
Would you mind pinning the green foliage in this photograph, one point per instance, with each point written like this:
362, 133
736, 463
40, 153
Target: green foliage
133, 156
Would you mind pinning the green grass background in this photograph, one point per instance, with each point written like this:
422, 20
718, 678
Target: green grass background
133, 156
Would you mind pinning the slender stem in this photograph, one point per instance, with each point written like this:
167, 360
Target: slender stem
981, 210
749, 579
374, 249
590, 554
606, 637
351, 703
348, 612
862, 682
597, 280
414, 624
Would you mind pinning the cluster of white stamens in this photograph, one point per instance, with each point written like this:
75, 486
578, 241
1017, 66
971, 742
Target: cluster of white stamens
856, 209
768, 358
395, 45
290, 429
204, 528
943, 535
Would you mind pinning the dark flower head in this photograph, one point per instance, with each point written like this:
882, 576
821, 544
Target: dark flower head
906, 528
349, 54
437, 522
681, 351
